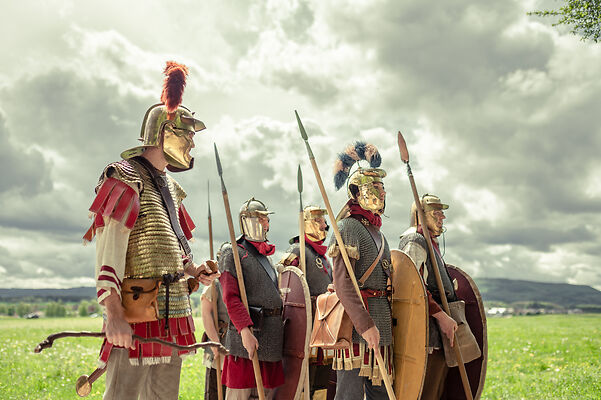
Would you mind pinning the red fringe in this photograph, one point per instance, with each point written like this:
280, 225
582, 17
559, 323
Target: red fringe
186, 222
113, 200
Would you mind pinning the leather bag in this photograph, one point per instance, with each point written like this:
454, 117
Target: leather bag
332, 327
139, 299
464, 336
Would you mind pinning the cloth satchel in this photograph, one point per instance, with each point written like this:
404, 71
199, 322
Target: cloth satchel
139, 299
464, 336
332, 327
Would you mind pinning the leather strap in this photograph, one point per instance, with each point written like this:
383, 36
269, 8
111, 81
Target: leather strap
262, 260
160, 182
373, 265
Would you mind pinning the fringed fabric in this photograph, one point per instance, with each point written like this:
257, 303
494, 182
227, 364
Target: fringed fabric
359, 356
181, 331
115, 199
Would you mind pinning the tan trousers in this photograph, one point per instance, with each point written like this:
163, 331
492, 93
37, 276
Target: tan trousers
246, 394
436, 376
144, 382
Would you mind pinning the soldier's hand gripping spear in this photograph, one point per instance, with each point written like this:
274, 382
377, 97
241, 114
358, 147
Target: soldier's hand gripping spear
303, 267
241, 286
343, 252
445, 305
214, 297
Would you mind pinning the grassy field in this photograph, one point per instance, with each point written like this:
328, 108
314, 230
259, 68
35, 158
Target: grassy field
536, 357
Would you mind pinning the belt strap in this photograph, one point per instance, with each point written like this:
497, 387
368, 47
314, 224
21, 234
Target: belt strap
373, 265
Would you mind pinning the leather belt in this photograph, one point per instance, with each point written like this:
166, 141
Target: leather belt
270, 312
374, 293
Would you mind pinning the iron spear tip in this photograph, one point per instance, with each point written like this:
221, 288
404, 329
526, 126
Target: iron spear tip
403, 148
299, 178
301, 127
219, 169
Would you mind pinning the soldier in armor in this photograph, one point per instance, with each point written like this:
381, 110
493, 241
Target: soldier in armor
413, 243
141, 229
261, 328
319, 276
208, 296
368, 251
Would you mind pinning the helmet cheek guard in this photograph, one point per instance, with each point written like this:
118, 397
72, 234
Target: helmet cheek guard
250, 216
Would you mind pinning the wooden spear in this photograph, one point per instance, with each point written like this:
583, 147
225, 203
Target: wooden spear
303, 267
343, 252
214, 297
241, 286
445, 305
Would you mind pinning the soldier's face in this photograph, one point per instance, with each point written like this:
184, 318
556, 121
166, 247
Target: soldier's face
435, 222
264, 221
322, 223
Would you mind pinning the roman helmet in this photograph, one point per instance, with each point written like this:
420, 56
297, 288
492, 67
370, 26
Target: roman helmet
360, 185
430, 203
170, 123
310, 216
250, 225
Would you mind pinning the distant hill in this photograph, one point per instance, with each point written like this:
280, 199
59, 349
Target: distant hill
72, 294
563, 294
492, 289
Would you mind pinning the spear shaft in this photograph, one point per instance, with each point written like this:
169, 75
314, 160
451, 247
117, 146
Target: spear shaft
422, 218
343, 253
238, 265
303, 267
214, 297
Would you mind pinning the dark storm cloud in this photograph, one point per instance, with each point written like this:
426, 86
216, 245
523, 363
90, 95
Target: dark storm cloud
23, 171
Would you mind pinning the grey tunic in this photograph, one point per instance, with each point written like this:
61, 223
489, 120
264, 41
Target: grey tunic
261, 292
319, 270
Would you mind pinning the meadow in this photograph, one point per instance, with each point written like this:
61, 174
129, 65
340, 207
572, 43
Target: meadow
531, 357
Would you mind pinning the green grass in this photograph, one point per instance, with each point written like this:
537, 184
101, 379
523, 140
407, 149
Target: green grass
537, 357
544, 357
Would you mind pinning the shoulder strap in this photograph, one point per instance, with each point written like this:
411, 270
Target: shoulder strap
373, 265
262, 260
160, 182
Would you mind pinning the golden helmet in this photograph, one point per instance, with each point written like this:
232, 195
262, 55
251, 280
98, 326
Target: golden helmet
171, 122
430, 203
311, 216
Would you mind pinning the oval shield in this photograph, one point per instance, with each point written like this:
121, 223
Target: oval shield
476, 319
297, 332
410, 327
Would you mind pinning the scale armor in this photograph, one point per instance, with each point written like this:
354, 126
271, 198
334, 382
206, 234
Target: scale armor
260, 291
414, 237
153, 248
363, 249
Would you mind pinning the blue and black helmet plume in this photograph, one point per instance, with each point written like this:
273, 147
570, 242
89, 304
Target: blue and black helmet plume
352, 154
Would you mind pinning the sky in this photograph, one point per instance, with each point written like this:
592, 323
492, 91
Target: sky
499, 110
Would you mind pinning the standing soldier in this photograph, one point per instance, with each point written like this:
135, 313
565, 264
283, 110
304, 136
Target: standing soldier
319, 276
357, 372
413, 243
142, 251
214, 334
265, 308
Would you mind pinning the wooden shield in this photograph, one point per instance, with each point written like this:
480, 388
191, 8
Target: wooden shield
297, 332
476, 319
410, 327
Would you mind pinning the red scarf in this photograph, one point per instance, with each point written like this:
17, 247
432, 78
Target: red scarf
317, 246
264, 248
356, 210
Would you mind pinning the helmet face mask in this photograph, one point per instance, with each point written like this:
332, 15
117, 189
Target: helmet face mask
176, 130
368, 189
252, 215
314, 217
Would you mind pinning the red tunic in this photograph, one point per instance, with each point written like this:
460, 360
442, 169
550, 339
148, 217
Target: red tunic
238, 371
